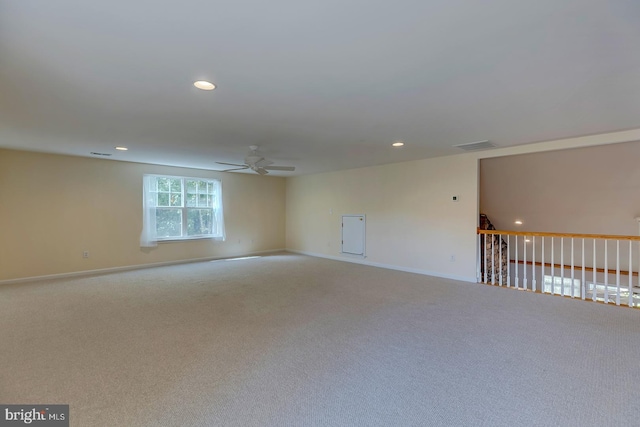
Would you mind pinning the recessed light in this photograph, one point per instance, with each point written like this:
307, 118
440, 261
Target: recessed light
518, 222
204, 85
121, 148
398, 144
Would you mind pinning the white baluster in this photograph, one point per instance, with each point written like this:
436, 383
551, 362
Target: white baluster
517, 279
630, 274
562, 266
617, 271
594, 294
606, 273
524, 265
582, 285
543, 264
533, 263
478, 271
508, 261
500, 243
553, 269
493, 260
572, 272
484, 251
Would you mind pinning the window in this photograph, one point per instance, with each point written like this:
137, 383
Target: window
180, 208
612, 290
556, 282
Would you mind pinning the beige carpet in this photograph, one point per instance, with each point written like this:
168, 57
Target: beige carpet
290, 340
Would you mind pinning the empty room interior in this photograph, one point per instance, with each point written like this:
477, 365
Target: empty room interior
320, 214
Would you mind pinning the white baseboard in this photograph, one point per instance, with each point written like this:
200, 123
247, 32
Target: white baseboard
360, 260
131, 267
344, 258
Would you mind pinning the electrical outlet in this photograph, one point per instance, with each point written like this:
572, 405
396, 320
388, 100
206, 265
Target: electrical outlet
85, 254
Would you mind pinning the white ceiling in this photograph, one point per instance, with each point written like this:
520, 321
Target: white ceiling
322, 85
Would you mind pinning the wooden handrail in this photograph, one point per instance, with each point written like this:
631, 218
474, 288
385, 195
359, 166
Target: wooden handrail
577, 268
569, 235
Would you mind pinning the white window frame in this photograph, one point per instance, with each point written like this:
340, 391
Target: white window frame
149, 235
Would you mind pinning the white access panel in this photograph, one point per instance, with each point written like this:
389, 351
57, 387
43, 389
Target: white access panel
353, 237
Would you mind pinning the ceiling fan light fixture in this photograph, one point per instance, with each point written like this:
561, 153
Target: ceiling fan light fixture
204, 85
252, 159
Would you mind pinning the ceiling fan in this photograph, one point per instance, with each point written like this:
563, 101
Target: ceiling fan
256, 163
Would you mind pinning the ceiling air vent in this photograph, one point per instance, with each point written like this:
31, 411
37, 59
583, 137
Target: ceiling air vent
100, 154
475, 146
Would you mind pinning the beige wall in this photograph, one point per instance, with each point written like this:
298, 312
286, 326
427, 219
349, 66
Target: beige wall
581, 190
53, 207
412, 222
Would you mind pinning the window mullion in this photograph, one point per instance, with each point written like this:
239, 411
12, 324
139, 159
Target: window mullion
183, 198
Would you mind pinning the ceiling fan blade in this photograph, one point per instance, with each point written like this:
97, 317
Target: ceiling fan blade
235, 169
280, 168
263, 162
232, 164
261, 171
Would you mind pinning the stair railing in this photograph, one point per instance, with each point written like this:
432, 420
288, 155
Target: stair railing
598, 267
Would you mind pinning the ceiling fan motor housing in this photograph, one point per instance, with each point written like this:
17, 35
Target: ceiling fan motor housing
252, 159
257, 163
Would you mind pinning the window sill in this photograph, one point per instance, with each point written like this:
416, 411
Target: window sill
185, 239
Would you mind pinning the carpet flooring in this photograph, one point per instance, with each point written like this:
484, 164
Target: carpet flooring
292, 340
